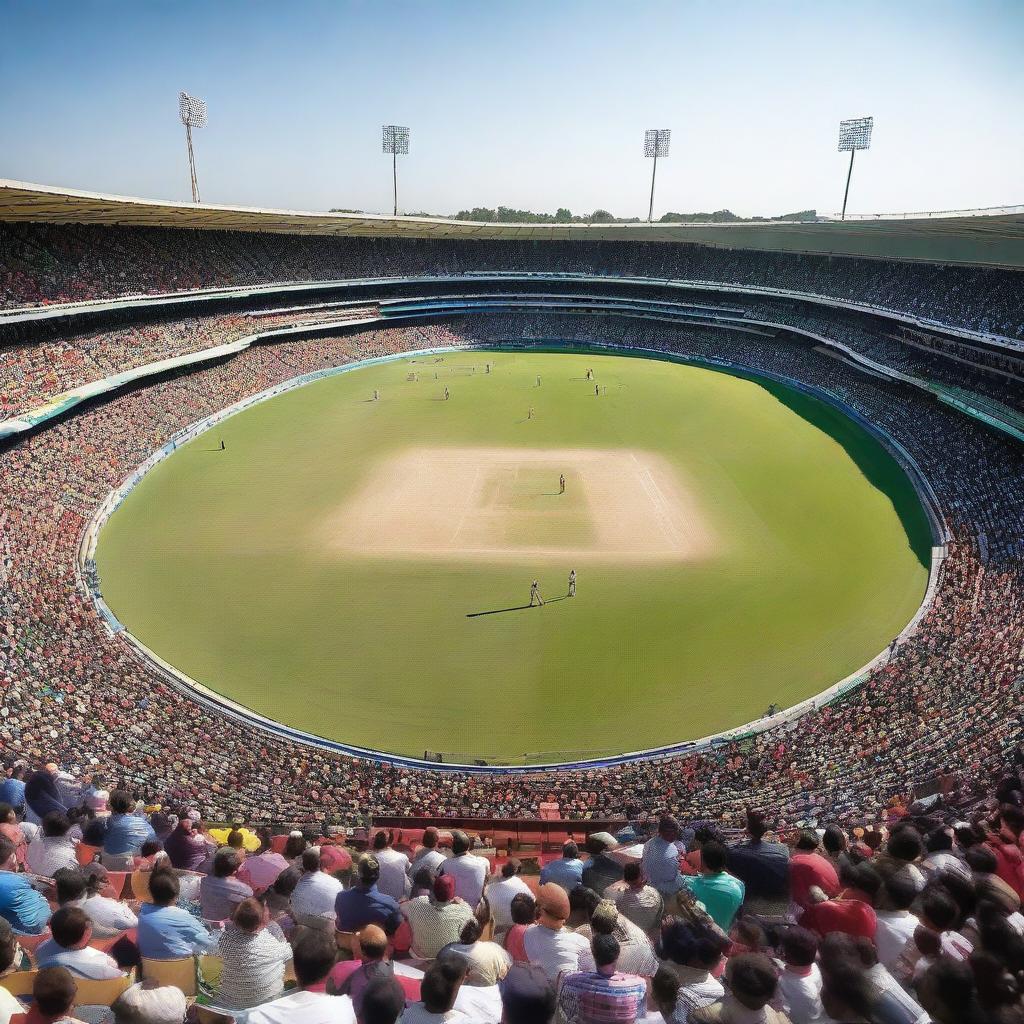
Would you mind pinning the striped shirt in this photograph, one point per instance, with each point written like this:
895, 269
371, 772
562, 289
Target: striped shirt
601, 997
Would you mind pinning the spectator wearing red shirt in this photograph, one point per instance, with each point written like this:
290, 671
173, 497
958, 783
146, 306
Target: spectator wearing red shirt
1005, 844
851, 911
809, 867
524, 912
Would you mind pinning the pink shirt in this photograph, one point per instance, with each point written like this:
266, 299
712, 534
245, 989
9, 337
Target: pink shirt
260, 872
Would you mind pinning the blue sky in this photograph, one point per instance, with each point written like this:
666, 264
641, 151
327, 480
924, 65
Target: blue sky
527, 104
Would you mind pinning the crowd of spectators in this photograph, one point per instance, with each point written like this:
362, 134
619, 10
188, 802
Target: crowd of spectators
914, 918
41, 264
946, 700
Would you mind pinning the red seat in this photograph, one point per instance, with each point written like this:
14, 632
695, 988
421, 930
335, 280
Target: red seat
278, 843
86, 854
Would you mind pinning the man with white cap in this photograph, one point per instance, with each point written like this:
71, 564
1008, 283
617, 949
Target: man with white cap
548, 943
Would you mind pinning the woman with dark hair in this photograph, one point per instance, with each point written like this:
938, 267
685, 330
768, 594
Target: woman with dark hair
524, 912
295, 847
278, 897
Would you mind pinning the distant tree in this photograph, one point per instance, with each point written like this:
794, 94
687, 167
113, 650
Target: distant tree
601, 217
563, 216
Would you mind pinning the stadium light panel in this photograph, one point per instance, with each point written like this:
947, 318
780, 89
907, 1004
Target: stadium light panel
656, 142
855, 134
191, 110
396, 140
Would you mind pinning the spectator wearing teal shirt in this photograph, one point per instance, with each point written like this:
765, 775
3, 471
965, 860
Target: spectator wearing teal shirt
23, 907
721, 893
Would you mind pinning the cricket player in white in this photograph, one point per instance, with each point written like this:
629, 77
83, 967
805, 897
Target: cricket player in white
535, 598
572, 582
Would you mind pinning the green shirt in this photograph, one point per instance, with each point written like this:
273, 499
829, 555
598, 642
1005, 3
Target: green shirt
721, 894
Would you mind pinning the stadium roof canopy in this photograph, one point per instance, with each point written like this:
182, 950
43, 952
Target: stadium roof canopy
993, 237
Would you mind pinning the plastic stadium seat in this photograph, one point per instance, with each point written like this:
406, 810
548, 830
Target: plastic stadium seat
181, 973
100, 993
211, 967
20, 982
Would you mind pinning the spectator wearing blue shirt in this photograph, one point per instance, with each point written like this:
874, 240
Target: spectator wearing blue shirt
12, 789
661, 855
365, 904
25, 909
567, 872
167, 932
125, 833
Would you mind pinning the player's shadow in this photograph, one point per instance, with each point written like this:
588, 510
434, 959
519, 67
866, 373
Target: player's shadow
516, 608
498, 611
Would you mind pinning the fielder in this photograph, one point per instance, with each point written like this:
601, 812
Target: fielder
561, 483
446, 394
572, 582
535, 598
597, 390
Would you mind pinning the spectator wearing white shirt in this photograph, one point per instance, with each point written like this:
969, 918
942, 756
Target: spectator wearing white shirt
314, 955
799, 992
314, 896
469, 871
895, 923
548, 943
394, 866
427, 856
71, 932
54, 848
109, 917
501, 892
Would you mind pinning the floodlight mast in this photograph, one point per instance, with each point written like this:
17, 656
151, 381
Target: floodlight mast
656, 141
192, 112
854, 134
396, 142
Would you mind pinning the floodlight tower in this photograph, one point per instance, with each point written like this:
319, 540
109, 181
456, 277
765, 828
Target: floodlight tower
656, 142
853, 135
396, 142
192, 112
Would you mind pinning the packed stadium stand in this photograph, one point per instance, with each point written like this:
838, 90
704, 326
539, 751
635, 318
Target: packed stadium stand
913, 775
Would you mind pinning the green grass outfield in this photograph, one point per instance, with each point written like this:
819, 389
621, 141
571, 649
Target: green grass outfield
216, 562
